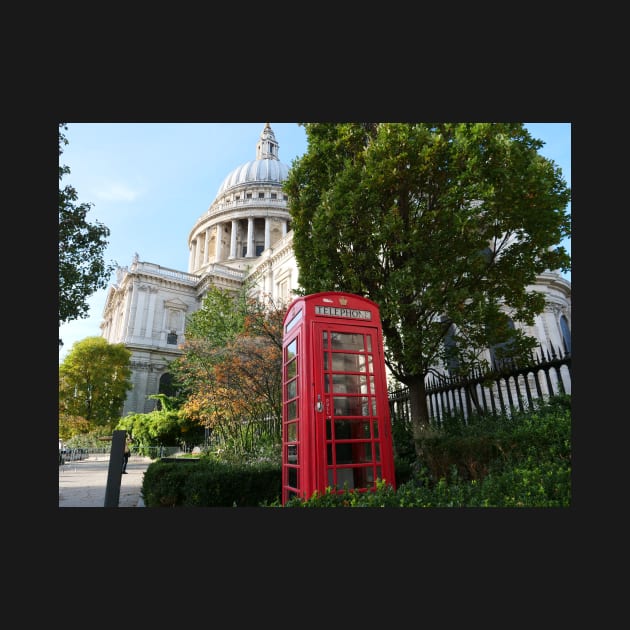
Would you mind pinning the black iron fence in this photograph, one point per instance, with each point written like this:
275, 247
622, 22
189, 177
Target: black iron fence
498, 390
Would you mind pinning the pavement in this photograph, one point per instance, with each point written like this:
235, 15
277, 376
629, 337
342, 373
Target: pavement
82, 483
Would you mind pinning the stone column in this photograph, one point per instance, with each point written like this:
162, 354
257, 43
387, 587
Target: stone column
199, 253
250, 237
206, 252
267, 233
233, 240
269, 280
148, 333
128, 305
191, 256
137, 324
218, 242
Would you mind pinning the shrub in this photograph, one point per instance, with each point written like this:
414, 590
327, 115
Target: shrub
209, 483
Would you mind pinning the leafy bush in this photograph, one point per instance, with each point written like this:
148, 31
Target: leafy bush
209, 483
265, 451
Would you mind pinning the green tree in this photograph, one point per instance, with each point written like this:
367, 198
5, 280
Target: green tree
94, 379
443, 225
165, 426
82, 268
220, 318
70, 426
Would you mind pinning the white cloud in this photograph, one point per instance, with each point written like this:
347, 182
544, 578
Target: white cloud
118, 192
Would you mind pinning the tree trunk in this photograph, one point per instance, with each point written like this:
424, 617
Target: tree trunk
419, 411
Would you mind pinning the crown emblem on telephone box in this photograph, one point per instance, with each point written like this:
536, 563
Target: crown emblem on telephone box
343, 301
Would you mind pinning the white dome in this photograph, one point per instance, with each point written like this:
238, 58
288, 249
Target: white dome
255, 171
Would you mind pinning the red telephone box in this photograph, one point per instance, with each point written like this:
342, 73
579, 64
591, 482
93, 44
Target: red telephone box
336, 427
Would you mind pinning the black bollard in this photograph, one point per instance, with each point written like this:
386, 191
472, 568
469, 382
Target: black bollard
114, 472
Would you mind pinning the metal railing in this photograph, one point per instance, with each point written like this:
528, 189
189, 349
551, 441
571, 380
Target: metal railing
498, 390
68, 455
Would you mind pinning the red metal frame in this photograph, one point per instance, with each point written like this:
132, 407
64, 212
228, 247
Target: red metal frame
336, 427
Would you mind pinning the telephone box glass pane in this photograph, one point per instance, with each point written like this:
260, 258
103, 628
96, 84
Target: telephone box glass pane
292, 432
342, 362
352, 478
296, 318
347, 341
291, 350
363, 477
345, 479
291, 370
292, 477
351, 405
348, 383
362, 366
351, 429
292, 389
292, 410
353, 453
343, 453
375, 427
343, 430
364, 452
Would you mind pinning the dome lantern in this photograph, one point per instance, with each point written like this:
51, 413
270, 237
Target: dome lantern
266, 168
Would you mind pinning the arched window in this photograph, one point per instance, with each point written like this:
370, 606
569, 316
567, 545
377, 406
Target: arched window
452, 364
566, 333
167, 386
500, 352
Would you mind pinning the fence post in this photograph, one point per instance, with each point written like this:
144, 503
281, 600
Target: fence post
114, 472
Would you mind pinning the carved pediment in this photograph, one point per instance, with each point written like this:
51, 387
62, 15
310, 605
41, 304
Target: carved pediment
176, 304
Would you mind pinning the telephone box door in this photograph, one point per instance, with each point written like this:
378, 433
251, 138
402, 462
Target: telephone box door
353, 433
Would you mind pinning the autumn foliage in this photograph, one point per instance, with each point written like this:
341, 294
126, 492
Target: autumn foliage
231, 369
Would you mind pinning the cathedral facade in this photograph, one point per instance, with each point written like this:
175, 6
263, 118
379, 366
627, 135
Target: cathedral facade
244, 236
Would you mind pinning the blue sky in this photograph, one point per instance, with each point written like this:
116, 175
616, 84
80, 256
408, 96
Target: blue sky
150, 182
